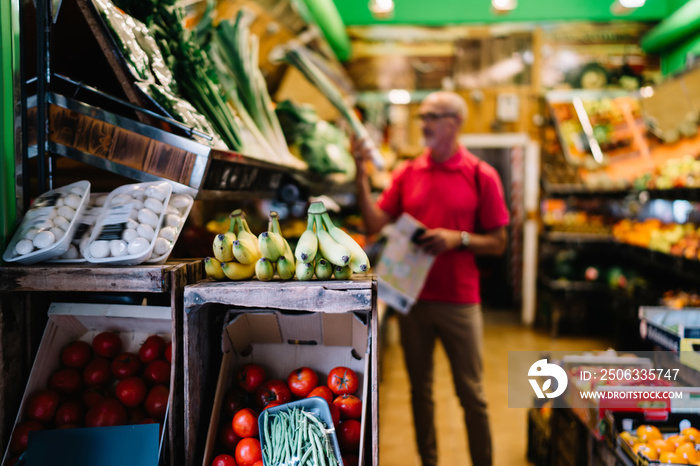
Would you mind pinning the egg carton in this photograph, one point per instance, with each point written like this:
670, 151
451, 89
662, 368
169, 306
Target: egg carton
175, 215
125, 233
76, 251
49, 225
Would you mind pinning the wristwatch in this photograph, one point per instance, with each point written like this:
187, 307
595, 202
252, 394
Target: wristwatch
465, 240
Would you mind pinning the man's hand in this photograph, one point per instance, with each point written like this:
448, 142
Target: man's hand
439, 240
361, 150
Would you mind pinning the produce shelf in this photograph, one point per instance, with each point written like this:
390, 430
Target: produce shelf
566, 237
579, 190
574, 286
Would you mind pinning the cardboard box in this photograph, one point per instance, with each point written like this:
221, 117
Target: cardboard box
282, 342
68, 322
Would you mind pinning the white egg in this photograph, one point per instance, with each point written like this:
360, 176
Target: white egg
53, 214
138, 246
58, 233
156, 192
45, 225
121, 199
23, 247
44, 239
146, 231
139, 194
137, 203
84, 244
73, 201
66, 212
78, 191
61, 222
100, 200
134, 215
170, 210
117, 247
179, 201
168, 233
99, 249
154, 204
161, 246
31, 233
148, 217
71, 253
172, 220
130, 234
59, 202
132, 224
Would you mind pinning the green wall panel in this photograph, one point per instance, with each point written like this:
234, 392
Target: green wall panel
675, 29
674, 60
9, 64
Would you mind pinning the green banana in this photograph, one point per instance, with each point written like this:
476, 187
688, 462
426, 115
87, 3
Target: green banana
324, 269
212, 267
304, 271
334, 252
236, 271
244, 251
285, 268
342, 273
307, 246
274, 227
269, 247
264, 270
359, 262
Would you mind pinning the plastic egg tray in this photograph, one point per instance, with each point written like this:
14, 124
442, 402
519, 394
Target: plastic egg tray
175, 215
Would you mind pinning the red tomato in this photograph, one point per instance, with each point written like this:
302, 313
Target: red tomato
301, 381
250, 377
350, 406
136, 415
272, 390
107, 344
108, 412
125, 365
258, 463
350, 460
324, 392
156, 402
248, 452
20, 436
66, 381
349, 432
234, 400
224, 460
272, 404
97, 372
76, 354
42, 405
228, 438
245, 423
131, 391
157, 372
151, 349
342, 381
169, 351
70, 412
335, 414
91, 396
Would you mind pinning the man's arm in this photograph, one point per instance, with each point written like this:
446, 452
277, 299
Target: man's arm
437, 240
374, 217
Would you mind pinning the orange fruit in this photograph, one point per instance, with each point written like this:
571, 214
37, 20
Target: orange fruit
628, 438
646, 433
677, 440
692, 434
661, 446
687, 451
668, 458
646, 450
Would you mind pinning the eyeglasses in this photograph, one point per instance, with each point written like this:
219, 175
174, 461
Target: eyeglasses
432, 117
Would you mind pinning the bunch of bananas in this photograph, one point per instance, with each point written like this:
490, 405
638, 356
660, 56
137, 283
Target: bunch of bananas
236, 252
325, 250
275, 253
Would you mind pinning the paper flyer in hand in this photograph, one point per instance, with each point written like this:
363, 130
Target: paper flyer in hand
403, 267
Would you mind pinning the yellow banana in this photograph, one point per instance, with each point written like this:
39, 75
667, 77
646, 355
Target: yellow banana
222, 246
342, 273
323, 269
304, 270
264, 270
212, 267
359, 262
245, 252
285, 268
332, 251
244, 232
274, 227
307, 246
236, 271
269, 247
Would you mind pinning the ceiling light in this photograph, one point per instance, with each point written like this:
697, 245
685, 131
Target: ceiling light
399, 96
625, 7
381, 8
501, 6
632, 3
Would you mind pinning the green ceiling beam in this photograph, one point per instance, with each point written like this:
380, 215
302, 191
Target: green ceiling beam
678, 27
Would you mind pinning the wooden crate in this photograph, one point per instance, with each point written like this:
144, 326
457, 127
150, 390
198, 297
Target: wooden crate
25, 296
207, 305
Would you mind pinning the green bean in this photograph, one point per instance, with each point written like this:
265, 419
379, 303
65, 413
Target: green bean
306, 456
321, 456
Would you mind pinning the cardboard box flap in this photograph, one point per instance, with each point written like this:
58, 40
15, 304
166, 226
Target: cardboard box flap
304, 329
250, 327
110, 310
345, 330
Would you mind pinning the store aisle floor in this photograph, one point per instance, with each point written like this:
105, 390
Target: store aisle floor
503, 333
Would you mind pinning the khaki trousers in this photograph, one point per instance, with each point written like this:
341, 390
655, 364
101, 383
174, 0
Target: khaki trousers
460, 328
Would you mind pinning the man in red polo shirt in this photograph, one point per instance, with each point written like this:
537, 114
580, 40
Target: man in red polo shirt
460, 200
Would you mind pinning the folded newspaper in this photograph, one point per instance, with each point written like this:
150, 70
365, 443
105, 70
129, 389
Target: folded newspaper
403, 267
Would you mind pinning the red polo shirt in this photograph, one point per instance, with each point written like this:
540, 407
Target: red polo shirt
444, 195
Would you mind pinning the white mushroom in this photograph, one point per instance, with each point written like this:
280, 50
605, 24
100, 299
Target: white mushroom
170, 210
31, 233
44, 239
100, 200
179, 201
156, 192
121, 199
62, 223
73, 201
99, 249
66, 212
137, 204
59, 202
117, 247
53, 214
138, 246
139, 194
162, 246
154, 204
23, 247
134, 215
146, 231
168, 233
71, 253
130, 234
45, 225
58, 233
172, 220
148, 217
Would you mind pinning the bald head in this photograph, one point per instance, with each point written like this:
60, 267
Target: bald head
449, 102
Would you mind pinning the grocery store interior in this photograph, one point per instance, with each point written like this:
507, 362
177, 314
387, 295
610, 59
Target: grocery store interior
179, 209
